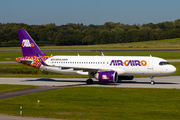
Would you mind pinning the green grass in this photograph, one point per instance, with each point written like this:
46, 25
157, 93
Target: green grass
177, 65
20, 70
98, 103
156, 44
5, 88
163, 54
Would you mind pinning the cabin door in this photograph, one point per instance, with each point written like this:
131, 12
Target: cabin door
150, 64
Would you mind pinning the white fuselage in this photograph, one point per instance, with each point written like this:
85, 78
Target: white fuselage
123, 65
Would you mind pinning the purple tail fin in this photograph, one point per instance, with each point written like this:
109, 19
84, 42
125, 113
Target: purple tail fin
28, 46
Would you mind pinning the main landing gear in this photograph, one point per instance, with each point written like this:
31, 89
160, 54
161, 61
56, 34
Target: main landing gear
91, 75
89, 81
152, 81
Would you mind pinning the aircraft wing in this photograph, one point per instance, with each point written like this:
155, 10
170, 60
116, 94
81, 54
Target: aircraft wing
89, 69
92, 69
84, 69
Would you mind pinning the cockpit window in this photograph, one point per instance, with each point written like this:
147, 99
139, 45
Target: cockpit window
164, 63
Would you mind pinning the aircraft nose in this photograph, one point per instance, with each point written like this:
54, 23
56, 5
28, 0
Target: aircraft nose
172, 69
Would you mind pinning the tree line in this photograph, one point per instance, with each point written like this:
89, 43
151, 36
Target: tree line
79, 34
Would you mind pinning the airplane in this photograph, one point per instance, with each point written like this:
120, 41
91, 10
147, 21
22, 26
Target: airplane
106, 69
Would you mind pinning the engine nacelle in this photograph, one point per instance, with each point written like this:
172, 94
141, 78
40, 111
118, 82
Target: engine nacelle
125, 77
107, 76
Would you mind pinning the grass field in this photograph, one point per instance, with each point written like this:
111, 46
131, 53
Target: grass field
98, 103
156, 44
5, 88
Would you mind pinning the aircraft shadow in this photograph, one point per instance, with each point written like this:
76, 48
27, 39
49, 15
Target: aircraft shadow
78, 81
52, 80
97, 82
136, 82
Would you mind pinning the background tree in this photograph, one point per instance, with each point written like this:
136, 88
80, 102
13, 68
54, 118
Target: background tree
87, 40
59, 39
79, 34
105, 37
177, 23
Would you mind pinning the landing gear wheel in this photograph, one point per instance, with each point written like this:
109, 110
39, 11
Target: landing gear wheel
152, 82
89, 81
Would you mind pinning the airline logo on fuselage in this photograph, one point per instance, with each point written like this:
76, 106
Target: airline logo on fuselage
128, 63
26, 43
105, 77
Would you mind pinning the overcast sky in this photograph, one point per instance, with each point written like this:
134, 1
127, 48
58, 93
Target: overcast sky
95, 12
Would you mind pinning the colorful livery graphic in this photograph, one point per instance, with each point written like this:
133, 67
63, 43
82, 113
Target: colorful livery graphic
33, 60
107, 69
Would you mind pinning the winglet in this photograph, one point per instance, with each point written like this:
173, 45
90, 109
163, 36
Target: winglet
28, 46
102, 54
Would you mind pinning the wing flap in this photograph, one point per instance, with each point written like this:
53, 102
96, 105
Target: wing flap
81, 68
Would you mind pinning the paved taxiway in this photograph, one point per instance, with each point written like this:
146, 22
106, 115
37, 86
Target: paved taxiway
8, 117
20, 92
160, 82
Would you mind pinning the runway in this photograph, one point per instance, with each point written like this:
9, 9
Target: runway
160, 82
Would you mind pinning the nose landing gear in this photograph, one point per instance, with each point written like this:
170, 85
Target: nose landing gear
152, 81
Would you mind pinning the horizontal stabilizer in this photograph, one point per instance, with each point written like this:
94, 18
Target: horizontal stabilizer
25, 61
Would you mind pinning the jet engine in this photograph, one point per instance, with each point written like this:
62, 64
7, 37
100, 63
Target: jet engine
125, 77
107, 76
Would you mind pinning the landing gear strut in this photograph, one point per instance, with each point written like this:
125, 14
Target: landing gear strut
91, 75
89, 81
152, 81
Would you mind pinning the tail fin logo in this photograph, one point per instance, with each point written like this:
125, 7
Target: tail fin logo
26, 43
